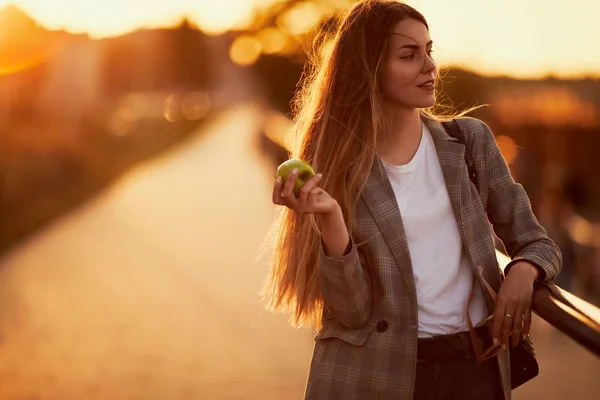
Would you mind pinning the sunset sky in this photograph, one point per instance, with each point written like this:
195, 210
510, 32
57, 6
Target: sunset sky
526, 38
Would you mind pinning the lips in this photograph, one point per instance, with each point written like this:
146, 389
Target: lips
427, 84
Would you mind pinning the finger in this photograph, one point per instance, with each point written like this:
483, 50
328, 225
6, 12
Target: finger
507, 324
290, 201
498, 320
517, 327
526, 321
288, 188
277, 191
306, 189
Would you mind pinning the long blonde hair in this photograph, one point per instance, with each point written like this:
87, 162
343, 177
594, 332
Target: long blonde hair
337, 121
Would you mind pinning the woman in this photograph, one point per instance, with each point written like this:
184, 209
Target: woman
380, 251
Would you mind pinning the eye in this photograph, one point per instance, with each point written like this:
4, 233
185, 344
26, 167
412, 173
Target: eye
409, 57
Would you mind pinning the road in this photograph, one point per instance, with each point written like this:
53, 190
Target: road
150, 291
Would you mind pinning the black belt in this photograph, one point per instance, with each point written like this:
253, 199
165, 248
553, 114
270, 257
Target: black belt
454, 346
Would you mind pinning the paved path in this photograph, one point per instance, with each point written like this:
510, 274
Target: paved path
150, 292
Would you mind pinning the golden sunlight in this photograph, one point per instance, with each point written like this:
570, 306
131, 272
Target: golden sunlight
300, 18
524, 38
115, 17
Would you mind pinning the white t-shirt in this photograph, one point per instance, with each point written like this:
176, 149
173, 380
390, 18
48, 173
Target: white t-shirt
441, 267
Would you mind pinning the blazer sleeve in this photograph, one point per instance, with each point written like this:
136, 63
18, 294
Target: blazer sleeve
509, 211
346, 286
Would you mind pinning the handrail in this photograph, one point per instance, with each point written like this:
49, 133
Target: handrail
568, 313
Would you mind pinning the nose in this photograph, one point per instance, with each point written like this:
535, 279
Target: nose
429, 65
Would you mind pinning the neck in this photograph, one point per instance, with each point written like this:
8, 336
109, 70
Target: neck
403, 126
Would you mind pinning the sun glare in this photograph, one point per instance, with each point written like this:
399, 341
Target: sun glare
515, 37
114, 17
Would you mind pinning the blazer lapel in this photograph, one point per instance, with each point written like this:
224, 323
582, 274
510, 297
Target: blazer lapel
451, 155
381, 201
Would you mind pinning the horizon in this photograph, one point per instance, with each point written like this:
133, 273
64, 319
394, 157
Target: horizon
528, 51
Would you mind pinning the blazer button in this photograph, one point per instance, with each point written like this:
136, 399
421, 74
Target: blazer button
382, 326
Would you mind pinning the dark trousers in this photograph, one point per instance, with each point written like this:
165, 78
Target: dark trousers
458, 380
447, 370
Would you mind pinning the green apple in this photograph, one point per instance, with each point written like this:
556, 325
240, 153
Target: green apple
305, 172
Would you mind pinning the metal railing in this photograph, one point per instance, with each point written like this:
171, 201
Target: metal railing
568, 313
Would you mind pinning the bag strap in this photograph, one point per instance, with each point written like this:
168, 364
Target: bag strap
453, 129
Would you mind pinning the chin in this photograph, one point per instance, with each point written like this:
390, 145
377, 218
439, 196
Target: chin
413, 102
426, 103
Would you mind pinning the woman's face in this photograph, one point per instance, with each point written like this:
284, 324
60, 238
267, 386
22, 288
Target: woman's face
408, 76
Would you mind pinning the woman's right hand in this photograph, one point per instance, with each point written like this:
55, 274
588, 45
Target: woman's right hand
311, 200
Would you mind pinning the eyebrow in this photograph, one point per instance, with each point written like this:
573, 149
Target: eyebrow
414, 46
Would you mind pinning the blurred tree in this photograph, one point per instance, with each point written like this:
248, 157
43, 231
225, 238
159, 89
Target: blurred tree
280, 76
300, 23
189, 58
157, 59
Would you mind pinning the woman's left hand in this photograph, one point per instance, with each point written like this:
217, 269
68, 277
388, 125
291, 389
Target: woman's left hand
513, 305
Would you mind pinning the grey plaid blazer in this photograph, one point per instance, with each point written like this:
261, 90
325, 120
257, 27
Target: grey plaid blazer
367, 347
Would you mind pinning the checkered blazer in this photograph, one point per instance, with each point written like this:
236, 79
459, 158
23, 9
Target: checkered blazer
367, 348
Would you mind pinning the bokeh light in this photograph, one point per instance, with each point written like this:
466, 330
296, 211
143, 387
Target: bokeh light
195, 106
272, 40
172, 108
300, 18
245, 50
123, 122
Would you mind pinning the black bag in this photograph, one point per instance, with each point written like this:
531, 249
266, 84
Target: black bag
523, 364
